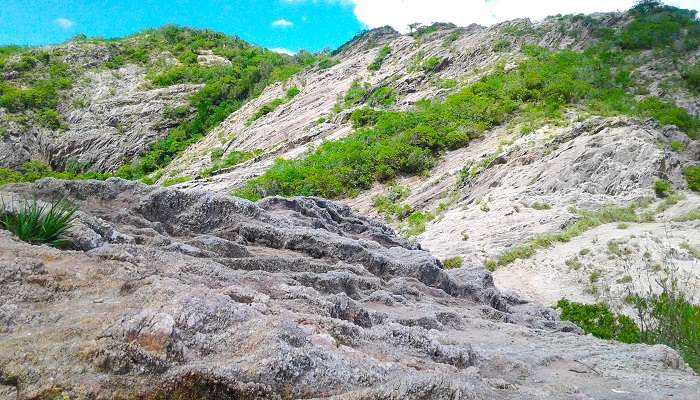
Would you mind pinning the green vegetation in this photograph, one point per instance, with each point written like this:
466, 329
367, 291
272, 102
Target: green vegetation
376, 65
692, 176
691, 250
447, 84
234, 158
573, 263
264, 110
176, 181
540, 206
501, 45
386, 144
662, 188
35, 170
356, 94
598, 320
292, 92
693, 215
272, 106
226, 87
382, 97
453, 262
670, 201
431, 64
39, 224
668, 318
38, 77
416, 223
677, 146
391, 206
586, 221
658, 26
451, 38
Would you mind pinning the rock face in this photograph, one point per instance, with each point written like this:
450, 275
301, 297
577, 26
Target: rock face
173, 294
464, 54
112, 116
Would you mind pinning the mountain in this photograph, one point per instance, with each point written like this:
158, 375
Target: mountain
418, 203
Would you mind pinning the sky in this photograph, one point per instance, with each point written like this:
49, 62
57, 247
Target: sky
283, 25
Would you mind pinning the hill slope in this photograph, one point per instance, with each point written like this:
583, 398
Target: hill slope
514, 165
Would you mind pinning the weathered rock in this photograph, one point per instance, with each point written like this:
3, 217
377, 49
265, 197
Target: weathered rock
296, 298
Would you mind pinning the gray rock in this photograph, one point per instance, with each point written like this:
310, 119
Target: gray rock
219, 298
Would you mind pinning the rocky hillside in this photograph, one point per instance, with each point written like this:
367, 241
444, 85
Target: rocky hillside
173, 294
97, 105
511, 167
522, 174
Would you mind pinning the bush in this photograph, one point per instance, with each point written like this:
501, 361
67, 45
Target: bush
452, 263
264, 110
677, 146
431, 64
49, 119
662, 188
376, 65
356, 94
692, 176
292, 92
598, 320
40, 224
382, 97
234, 158
176, 181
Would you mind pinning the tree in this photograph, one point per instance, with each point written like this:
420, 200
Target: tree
414, 26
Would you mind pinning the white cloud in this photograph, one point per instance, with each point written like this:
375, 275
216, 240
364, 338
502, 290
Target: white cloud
400, 13
63, 23
282, 23
282, 50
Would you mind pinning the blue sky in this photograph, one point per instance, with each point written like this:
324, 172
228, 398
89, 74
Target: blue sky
288, 24
276, 24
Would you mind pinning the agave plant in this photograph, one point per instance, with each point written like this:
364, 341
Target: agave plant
40, 223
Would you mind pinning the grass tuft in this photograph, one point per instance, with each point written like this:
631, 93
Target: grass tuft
40, 223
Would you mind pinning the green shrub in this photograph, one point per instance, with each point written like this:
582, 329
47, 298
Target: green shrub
452, 263
217, 153
598, 320
49, 119
658, 26
691, 76
356, 94
264, 110
662, 188
416, 223
292, 92
382, 97
540, 206
376, 65
40, 224
501, 45
692, 176
234, 158
677, 146
670, 318
431, 64
176, 181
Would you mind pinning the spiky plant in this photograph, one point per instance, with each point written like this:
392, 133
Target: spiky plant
39, 223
